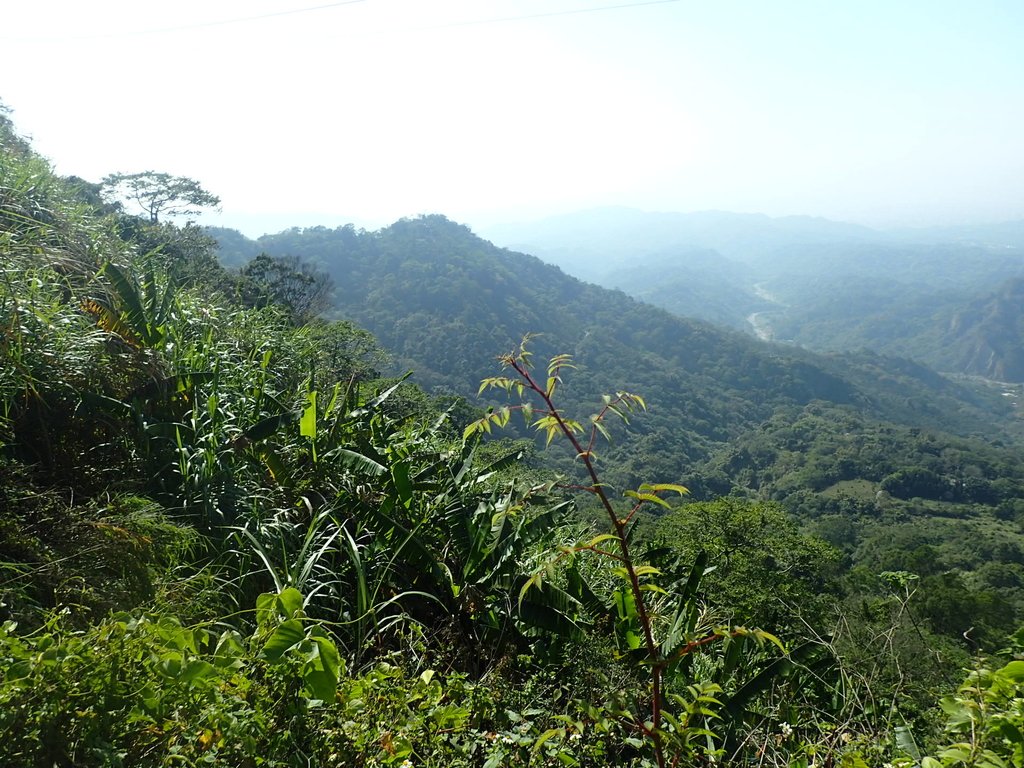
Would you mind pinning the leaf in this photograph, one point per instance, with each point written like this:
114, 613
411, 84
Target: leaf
545, 422
1013, 671
549, 734
501, 416
275, 466
549, 618
646, 570
595, 420
504, 462
559, 361
496, 382
197, 669
905, 741
128, 295
535, 580
662, 487
1011, 733
355, 460
642, 497
654, 588
287, 635
376, 401
625, 605
230, 651
581, 591
268, 426
761, 635
111, 322
266, 605
307, 424
572, 425
961, 753
180, 384
270, 606
290, 602
759, 683
631, 399
323, 668
403, 485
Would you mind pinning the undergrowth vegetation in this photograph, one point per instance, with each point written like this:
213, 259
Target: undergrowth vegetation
225, 539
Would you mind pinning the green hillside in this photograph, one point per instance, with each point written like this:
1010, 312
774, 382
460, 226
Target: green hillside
225, 539
724, 409
443, 300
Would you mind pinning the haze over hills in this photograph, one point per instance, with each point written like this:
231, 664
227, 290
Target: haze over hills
589, 243
610, 232
826, 285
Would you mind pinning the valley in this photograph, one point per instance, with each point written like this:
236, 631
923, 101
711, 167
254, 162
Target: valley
948, 298
760, 322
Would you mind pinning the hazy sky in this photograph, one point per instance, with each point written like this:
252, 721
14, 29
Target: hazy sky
303, 112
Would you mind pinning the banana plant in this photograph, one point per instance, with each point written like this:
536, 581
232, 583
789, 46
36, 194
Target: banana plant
138, 314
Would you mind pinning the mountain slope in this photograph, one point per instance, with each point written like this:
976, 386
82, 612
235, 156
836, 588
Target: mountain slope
446, 302
701, 284
987, 337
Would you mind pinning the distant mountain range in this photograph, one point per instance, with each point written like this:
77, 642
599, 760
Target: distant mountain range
821, 284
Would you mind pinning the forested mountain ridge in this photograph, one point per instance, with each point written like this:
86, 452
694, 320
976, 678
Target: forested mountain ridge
444, 301
430, 280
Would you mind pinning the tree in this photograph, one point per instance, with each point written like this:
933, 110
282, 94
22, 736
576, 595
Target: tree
10, 141
767, 572
287, 281
159, 193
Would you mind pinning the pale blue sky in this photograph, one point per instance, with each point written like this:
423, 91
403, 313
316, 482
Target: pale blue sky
884, 113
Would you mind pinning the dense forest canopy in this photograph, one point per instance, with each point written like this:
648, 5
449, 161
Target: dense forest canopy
233, 531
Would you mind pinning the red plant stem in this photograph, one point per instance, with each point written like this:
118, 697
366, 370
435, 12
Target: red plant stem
653, 652
597, 551
694, 645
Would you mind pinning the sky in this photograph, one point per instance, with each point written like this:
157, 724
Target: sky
304, 112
